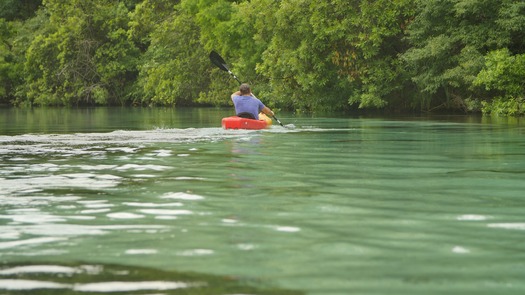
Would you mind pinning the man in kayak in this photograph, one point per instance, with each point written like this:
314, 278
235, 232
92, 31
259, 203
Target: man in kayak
247, 105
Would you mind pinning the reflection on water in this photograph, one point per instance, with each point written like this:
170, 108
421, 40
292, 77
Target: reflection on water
104, 279
333, 206
104, 119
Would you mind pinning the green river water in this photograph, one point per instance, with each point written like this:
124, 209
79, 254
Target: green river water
164, 201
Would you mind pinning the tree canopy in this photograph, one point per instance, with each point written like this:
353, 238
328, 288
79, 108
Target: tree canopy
303, 55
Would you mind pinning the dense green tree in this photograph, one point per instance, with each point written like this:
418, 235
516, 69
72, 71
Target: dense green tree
146, 17
15, 38
504, 75
373, 43
175, 68
297, 54
6, 58
297, 61
240, 32
329, 54
450, 39
18, 9
85, 58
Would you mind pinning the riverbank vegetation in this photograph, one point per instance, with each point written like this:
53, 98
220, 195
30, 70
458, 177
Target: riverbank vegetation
423, 55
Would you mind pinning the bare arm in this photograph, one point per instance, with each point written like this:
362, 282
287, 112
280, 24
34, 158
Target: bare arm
236, 93
268, 111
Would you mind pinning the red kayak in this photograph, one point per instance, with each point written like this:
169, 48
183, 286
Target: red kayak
235, 122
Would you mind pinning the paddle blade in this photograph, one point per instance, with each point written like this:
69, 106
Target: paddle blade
217, 60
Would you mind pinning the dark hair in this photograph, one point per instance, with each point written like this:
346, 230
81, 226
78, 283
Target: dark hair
245, 89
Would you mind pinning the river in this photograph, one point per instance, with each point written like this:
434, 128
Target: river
162, 201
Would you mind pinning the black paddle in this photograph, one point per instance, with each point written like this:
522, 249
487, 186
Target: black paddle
217, 60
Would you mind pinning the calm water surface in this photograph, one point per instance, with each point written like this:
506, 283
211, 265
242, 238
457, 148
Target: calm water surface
169, 202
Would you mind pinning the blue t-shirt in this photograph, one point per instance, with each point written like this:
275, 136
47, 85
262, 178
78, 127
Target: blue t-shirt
248, 104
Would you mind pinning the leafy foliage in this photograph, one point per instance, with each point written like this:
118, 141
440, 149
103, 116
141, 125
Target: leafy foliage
303, 55
6, 58
175, 66
18, 9
450, 39
84, 56
504, 74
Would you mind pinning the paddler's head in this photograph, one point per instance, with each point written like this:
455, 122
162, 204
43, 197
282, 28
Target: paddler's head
245, 89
